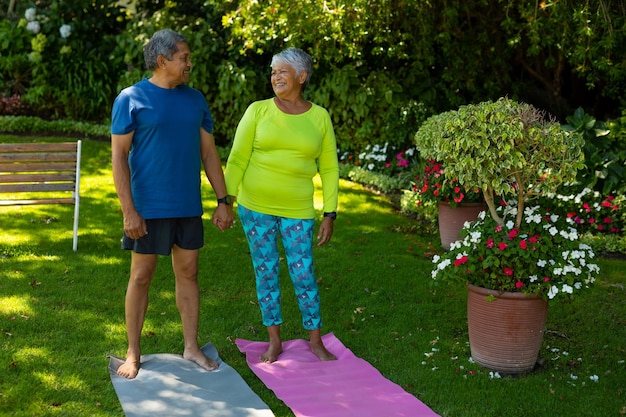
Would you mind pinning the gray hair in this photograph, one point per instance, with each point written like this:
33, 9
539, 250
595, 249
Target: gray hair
163, 42
298, 59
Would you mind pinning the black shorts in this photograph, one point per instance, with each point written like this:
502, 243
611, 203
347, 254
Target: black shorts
186, 233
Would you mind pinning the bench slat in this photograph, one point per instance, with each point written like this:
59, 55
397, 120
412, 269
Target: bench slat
26, 178
26, 188
50, 166
39, 201
37, 157
38, 147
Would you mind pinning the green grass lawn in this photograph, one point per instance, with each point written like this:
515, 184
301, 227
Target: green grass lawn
61, 312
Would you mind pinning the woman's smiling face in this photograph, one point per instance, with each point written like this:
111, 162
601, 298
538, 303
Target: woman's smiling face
284, 80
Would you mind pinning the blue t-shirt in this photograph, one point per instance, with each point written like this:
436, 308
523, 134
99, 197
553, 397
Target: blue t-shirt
164, 156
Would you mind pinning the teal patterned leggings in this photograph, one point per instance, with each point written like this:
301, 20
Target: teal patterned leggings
262, 232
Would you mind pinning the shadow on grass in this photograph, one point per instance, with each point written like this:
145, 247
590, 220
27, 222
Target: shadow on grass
61, 312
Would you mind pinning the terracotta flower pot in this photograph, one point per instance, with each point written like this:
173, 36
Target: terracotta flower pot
505, 334
451, 220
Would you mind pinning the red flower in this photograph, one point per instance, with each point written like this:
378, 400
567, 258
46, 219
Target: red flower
460, 261
523, 244
533, 239
502, 246
507, 271
546, 279
512, 234
490, 243
519, 284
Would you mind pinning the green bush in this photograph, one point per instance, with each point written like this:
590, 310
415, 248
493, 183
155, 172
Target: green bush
605, 153
58, 56
35, 125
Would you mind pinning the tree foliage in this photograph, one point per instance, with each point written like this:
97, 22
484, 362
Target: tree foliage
374, 59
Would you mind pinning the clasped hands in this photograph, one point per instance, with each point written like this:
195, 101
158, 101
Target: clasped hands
223, 217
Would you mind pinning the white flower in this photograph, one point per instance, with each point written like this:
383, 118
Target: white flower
568, 289
493, 375
553, 292
475, 237
30, 14
574, 377
594, 378
455, 245
510, 224
553, 230
371, 167
541, 263
33, 26
65, 30
533, 278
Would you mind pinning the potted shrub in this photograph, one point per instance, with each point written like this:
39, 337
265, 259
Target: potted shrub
456, 204
516, 252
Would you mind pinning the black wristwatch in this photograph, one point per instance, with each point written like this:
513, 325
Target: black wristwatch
226, 200
332, 215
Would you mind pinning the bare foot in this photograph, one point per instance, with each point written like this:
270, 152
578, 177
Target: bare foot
199, 358
322, 353
271, 354
129, 369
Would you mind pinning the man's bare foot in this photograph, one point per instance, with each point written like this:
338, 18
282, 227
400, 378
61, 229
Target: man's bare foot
129, 369
271, 354
322, 353
198, 357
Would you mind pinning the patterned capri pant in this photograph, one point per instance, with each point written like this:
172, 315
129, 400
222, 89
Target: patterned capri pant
262, 232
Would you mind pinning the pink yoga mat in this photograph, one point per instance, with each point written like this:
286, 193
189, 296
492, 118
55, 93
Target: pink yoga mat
347, 387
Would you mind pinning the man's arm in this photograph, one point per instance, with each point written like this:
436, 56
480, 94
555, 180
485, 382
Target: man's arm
134, 224
223, 216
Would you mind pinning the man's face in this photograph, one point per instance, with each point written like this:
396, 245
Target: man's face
179, 66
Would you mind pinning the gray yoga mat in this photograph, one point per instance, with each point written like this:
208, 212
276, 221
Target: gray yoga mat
168, 385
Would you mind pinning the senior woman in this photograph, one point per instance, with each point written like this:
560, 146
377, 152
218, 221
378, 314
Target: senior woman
280, 144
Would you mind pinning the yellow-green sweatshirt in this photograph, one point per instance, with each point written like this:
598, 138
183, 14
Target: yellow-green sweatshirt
275, 156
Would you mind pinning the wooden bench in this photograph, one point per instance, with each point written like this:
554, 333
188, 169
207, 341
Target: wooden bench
45, 168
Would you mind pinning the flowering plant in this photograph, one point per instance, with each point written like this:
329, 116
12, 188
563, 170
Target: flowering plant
433, 185
542, 256
592, 212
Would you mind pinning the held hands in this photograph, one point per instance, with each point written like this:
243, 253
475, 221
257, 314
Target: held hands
223, 217
325, 231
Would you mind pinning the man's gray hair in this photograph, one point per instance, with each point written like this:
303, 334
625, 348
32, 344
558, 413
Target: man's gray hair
298, 59
162, 42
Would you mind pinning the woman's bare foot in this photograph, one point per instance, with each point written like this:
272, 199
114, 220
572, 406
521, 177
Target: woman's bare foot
321, 352
129, 369
271, 354
198, 357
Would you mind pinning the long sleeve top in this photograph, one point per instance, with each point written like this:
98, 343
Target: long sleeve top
275, 157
